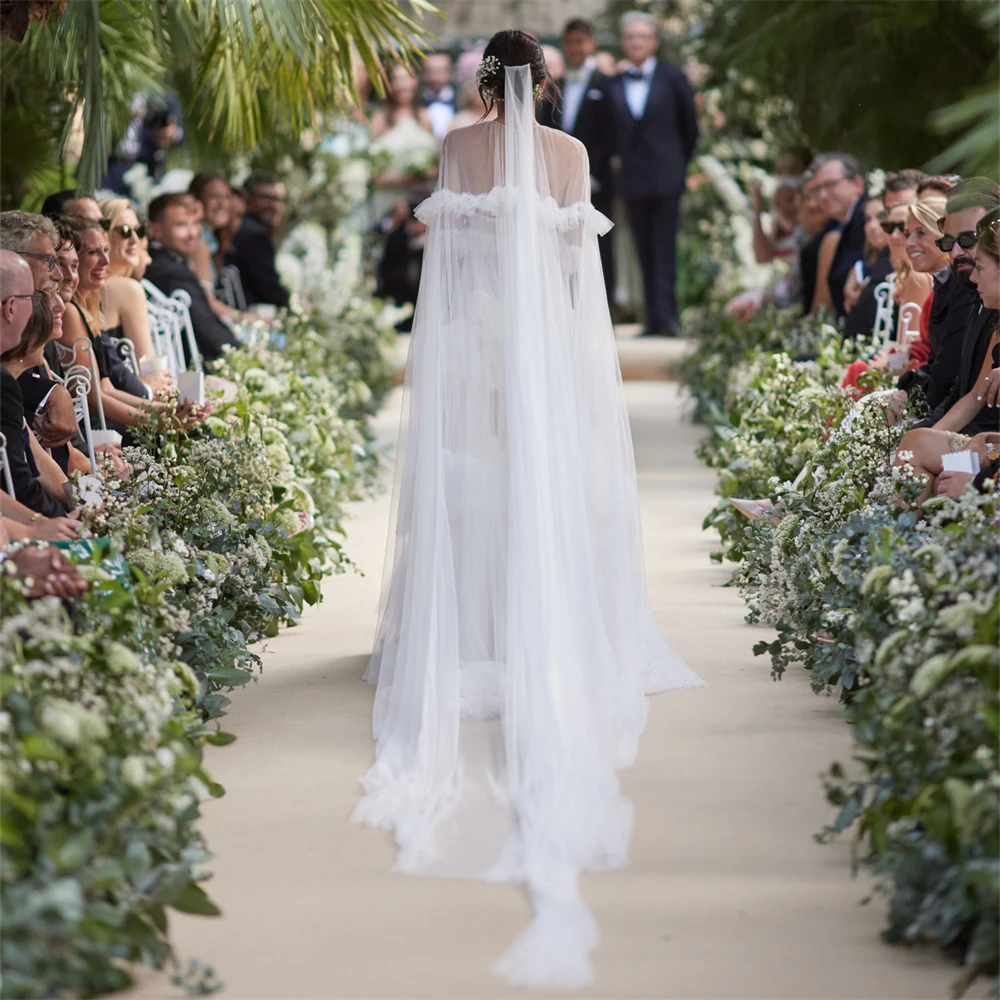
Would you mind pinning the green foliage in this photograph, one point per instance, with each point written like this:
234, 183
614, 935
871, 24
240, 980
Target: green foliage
101, 753
241, 66
849, 69
891, 605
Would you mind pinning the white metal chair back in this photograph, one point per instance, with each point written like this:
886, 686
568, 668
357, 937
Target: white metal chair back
908, 324
66, 355
77, 381
230, 288
8, 481
171, 315
883, 309
126, 351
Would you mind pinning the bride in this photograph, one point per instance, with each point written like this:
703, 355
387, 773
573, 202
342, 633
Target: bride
515, 643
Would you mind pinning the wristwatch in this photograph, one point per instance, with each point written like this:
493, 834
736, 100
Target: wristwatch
992, 452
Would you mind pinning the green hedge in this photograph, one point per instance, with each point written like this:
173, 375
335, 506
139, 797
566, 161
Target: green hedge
216, 539
891, 605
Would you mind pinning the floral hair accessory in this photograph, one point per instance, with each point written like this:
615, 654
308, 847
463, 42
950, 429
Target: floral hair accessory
486, 76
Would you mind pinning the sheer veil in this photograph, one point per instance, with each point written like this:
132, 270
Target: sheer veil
515, 643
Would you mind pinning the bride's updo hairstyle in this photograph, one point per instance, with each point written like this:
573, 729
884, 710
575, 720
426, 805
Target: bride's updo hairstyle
510, 48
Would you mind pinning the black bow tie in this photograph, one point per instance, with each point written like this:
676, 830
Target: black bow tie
635, 74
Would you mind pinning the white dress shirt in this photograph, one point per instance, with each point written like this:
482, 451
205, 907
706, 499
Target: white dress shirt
637, 91
575, 84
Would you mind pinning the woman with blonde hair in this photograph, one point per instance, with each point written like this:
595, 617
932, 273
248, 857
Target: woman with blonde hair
922, 229
122, 298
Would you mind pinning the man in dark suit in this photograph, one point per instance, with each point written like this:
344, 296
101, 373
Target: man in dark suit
253, 244
656, 129
840, 184
582, 109
173, 234
968, 202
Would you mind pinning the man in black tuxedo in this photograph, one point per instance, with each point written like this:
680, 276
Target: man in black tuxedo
656, 129
582, 109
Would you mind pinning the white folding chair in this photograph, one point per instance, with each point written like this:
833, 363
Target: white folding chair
883, 309
126, 351
8, 481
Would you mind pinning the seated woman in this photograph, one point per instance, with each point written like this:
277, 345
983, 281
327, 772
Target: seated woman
120, 406
48, 407
927, 445
874, 266
123, 301
922, 230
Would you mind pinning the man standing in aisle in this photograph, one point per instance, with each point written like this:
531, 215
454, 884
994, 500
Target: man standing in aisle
656, 129
583, 110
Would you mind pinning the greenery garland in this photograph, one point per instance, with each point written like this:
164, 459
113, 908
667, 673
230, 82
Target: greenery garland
216, 539
891, 606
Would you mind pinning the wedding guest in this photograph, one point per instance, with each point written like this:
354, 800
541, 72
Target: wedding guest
816, 226
840, 184
472, 108
579, 105
115, 392
874, 264
69, 203
400, 105
253, 245
123, 301
554, 64
899, 188
656, 130
437, 93
972, 421
921, 232
606, 63
401, 263
19, 295
969, 203
225, 234
213, 199
173, 233
401, 129
34, 238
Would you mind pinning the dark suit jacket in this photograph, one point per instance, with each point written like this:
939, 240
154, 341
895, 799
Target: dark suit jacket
850, 249
27, 489
952, 308
594, 127
253, 254
974, 344
170, 271
656, 148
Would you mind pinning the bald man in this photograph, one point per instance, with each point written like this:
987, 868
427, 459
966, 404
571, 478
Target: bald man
17, 284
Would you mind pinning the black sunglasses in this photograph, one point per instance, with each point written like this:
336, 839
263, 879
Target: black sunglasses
890, 227
51, 259
966, 241
127, 232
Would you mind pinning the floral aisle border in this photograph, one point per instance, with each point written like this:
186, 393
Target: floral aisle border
893, 607
216, 539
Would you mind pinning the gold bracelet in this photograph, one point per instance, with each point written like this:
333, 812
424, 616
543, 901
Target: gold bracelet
36, 517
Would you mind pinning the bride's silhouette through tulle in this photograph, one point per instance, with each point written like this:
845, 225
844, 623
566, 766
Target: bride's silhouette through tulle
515, 643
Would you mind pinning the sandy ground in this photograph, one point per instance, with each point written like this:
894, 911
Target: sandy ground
727, 896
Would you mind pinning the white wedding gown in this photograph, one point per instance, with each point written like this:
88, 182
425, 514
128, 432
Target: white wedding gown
515, 644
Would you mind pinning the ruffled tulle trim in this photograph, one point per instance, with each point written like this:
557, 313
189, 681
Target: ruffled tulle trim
579, 215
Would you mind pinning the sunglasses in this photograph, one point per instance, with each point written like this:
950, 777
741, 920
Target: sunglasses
125, 232
890, 227
51, 259
966, 241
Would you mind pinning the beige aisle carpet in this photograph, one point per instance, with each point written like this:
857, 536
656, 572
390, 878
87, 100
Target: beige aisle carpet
727, 896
